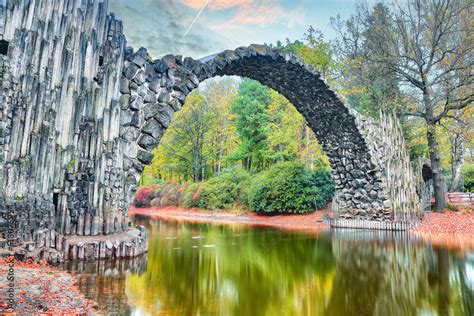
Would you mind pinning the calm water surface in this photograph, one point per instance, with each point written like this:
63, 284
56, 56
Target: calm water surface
204, 269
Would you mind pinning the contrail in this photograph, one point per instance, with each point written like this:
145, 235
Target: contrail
195, 19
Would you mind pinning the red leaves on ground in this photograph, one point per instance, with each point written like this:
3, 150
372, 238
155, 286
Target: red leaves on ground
448, 222
447, 228
28, 263
41, 289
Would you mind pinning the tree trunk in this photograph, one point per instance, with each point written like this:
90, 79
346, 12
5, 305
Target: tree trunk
439, 186
220, 155
300, 148
196, 169
457, 157
438, 179
307, 131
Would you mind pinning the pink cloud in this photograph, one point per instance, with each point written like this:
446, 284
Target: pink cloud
249, 12
259, 12
215, 4
262, 13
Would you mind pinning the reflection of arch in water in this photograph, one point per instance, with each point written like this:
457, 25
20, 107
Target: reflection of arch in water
151, 92
382, 273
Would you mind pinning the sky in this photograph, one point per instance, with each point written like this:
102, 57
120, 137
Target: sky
198, 28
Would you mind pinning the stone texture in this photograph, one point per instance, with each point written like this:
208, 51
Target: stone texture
60, 127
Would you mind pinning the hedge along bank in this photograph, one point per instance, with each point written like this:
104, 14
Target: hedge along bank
284, 188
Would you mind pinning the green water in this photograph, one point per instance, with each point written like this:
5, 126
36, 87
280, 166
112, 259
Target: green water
201, 269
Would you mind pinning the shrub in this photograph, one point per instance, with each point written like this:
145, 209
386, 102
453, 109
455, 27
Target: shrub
324, 183
468, 178
167, 194
453, 207
191, 195
155, 202
244, 194
145, 195
181, 191
223, 191
284, 187
170, 195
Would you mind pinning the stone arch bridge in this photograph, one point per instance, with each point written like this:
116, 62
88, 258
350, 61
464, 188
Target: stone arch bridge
81, 114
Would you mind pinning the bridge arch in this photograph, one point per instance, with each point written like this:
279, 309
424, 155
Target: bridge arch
152, 91
82, 112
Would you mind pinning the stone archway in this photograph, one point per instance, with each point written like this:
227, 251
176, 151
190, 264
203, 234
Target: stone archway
152, 91
80, 114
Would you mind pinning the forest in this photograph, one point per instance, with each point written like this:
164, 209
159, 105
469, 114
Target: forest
237, 144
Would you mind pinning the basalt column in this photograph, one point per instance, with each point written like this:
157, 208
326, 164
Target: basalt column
61, 163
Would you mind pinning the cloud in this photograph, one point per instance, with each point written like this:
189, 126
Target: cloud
263, 13
255, 13
159, 25
296, 17
216, 5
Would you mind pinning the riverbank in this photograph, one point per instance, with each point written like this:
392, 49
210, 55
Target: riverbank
42, 289
449, 229
311, 222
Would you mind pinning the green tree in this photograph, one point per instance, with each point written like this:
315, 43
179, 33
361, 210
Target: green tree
285, 125
251, 123
314, 50
184, 149
220, 95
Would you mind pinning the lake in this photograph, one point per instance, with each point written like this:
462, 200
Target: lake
209, 269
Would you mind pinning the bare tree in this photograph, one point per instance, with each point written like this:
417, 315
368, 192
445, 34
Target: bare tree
428, 46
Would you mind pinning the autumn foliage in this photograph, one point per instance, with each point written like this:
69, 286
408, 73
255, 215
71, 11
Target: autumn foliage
145, 195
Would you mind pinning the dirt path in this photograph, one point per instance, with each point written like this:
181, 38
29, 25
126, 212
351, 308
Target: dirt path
450, 229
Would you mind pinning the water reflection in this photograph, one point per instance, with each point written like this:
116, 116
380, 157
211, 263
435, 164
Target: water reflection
237, 270
105, 281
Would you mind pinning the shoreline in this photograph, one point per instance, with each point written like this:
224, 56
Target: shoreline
311, 222
445, 229
41, 289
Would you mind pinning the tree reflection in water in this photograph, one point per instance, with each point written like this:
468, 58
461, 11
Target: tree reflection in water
239, 270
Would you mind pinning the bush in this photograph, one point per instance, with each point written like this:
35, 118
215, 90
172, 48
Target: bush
155, 202
284, 188
170, 195
181, 191
468, 178
192, 195
324, 183
223, 191
145, 195
244, 195
454, 207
